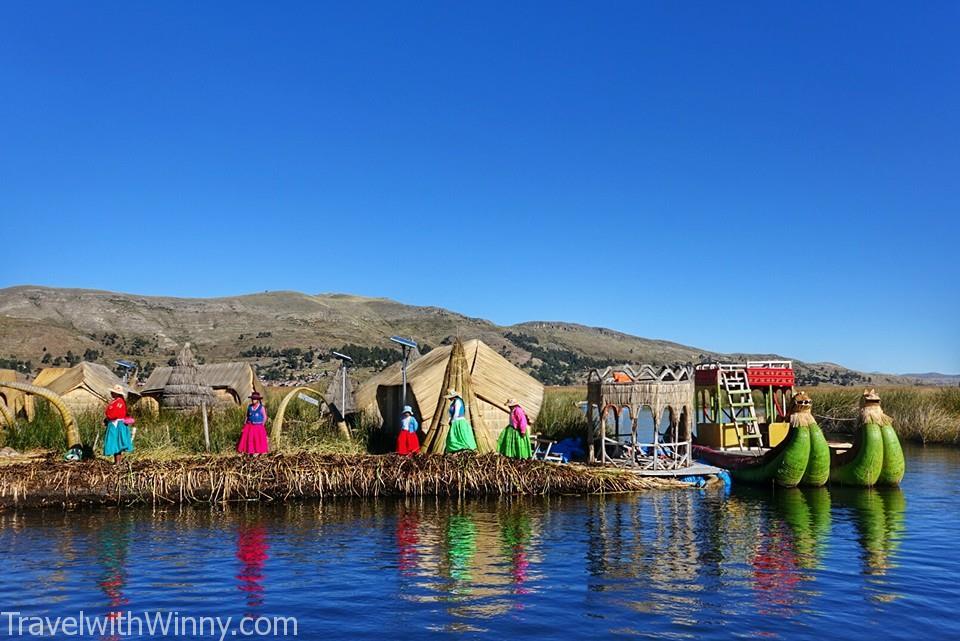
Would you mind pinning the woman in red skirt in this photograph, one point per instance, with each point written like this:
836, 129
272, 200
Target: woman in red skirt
253, 440
407, 442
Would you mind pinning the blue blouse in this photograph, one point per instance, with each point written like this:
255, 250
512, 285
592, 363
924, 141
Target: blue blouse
457, 410
256, 416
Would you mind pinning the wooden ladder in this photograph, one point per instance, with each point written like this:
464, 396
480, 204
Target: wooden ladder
742, 411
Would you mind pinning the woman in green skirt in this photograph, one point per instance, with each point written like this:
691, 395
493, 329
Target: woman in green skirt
514, 440
460, 436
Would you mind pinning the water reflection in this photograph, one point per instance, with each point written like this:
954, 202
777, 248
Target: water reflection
408, 542
697, 564
784, 534
461, 548
763, 549
112, 547
806, 511
792, 542
252, 547
473, 559
516, 532
878, 517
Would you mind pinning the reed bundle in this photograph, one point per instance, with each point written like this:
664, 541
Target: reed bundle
279, 477
185, 389
457, 377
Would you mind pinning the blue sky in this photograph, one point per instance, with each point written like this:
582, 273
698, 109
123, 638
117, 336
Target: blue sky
754, 177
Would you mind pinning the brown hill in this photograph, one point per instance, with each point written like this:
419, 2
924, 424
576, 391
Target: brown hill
289, 334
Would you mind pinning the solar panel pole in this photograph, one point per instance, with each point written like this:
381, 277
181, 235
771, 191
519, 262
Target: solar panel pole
407, 345
344, 360
403, 399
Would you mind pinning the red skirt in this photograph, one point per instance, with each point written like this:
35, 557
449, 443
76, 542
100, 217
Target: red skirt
407, 443
253, 440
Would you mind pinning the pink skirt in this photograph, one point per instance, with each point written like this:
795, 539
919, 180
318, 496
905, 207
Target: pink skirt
253, 440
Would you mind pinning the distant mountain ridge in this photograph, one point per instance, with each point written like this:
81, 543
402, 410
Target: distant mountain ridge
289, 334
935, 378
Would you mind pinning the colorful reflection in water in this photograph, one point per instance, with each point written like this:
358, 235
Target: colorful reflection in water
252, 549
786, 564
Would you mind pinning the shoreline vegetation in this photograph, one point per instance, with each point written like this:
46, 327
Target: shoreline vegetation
925, 415
170, 463
920, 414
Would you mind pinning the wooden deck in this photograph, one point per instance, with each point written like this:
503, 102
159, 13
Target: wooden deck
697, 469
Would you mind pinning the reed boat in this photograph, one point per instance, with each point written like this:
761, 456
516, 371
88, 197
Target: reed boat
783, 465
785, 448
876, 457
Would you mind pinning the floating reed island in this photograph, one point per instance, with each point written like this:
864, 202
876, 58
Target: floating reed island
279, 477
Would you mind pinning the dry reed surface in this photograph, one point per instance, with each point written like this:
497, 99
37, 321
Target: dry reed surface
279, 477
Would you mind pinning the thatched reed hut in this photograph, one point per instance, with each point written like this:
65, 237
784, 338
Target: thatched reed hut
19, 403
614, 393
494, 379
85, 387
231, 383
185, 389
457, 377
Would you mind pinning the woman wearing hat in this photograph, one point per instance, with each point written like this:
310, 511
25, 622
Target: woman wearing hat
117, 439
460, 436
407, 442
253, 440
514, 440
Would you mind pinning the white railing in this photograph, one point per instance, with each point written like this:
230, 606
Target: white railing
728, 367
771, 364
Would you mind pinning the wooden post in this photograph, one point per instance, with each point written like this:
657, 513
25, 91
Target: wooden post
603, 433
342, 428
590, 432
656, 434
206, 426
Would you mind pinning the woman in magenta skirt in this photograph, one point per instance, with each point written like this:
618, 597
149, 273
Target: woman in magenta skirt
254, 437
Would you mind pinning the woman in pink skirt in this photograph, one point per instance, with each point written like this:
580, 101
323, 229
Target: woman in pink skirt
254, 437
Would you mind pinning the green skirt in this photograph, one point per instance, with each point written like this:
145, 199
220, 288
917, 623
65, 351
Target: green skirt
461, 436
513, 444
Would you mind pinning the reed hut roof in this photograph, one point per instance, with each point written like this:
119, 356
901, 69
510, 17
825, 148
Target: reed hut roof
494, 379
185, 388
11, 375
18, 402
94, 378
47, 375
456, 376
239, 380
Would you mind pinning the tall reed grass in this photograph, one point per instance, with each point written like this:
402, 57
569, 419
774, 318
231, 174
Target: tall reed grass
925, 415
560, 416
172, 434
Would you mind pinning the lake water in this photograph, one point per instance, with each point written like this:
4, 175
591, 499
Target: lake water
852, 564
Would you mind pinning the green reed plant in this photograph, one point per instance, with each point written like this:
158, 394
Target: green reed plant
926, 415
169, 434
560, 416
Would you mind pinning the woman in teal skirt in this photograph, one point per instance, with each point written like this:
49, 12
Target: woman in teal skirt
460, 436
117, 439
